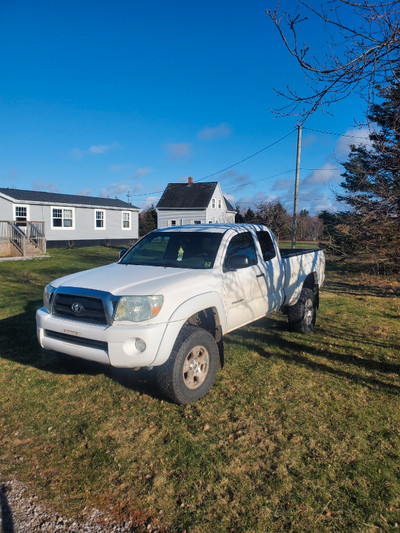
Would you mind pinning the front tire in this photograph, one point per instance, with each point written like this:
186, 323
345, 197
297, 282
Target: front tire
303, 314
190, 371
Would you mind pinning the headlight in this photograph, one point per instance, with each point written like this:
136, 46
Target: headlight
138, 308
48, 292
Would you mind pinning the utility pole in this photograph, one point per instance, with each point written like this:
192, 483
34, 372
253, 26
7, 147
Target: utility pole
296, 186
129, 196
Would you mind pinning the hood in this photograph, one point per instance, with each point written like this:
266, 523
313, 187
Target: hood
122, 279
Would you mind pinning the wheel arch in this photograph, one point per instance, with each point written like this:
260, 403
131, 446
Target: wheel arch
205, 311
310, 282
209, 320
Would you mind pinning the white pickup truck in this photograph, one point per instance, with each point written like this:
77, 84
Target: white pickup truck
170, 299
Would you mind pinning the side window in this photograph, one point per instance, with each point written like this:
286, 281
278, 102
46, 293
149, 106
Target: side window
267, 246
242, 244
100, 219
62, 218
126, 220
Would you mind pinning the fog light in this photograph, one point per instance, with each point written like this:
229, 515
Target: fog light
140, 345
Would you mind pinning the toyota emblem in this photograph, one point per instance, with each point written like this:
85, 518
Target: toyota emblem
77, 308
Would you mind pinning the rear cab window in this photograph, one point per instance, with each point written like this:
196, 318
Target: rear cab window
266, 244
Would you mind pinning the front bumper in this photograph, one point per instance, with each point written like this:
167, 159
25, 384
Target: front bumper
114, 345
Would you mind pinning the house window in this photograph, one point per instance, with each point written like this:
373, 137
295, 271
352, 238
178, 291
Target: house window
62, 218
171, 222
196, 221
213, 203
20, 213
126, 220
99, 219
219, 204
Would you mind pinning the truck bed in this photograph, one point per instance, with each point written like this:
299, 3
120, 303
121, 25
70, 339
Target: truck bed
289, 252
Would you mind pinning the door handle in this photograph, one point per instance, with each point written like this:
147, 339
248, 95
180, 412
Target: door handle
260, 275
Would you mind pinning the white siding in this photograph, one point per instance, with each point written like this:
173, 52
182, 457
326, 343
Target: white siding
6, 209
182, 216
84, 217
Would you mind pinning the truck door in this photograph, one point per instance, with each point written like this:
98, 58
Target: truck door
242, 291
272, 284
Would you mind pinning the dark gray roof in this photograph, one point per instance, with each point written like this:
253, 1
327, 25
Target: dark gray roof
189, 196
229, 206
57, 198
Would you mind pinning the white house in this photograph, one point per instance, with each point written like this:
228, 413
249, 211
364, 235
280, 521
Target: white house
193, 203
30, 219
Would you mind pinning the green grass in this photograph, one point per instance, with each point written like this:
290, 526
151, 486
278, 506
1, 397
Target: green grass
299, 433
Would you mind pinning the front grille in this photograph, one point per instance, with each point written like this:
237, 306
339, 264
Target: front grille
80, 341
82, 308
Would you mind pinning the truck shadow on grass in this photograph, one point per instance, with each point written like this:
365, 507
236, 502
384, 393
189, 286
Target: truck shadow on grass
18, 343
323, 355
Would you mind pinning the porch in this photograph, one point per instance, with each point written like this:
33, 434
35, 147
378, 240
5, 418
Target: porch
22, 239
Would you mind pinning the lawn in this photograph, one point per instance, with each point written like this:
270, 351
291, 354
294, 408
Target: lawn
299, 433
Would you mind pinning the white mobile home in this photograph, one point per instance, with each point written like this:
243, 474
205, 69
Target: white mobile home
30, 218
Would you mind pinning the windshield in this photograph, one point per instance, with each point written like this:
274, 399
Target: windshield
178, 250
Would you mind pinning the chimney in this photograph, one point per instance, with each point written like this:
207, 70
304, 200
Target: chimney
190, 180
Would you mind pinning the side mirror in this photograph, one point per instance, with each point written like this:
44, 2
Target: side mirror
238, 261
122, 252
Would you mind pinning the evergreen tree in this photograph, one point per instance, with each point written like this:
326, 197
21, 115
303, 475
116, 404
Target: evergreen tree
249, 216
239, 218
147, 220
372, 186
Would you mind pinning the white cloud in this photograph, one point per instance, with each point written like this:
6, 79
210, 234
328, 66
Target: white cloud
252, 201
150, 200
120, 190
282, 184
78, 153
114, 189
101, 148
178, 150
140, 172
308, 140
38, 185
85, 192
352, 136
230, 199
326, 174
217, 132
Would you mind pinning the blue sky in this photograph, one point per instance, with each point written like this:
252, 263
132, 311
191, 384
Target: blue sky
104, 98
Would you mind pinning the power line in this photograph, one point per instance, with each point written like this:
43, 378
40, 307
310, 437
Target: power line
229, 167
262, 179
247, 158
332, 133
236, 187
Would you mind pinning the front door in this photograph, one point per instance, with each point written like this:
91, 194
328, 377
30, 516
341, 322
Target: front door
243, 294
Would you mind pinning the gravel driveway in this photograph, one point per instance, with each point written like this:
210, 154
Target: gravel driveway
21, 512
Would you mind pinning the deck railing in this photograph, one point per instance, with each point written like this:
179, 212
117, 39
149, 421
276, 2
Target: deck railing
35, 233
21, 234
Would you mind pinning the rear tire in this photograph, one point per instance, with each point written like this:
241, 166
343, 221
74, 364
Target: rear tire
190, 371
303, 314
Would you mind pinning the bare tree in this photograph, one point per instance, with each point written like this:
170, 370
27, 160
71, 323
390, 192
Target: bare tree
358, 54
